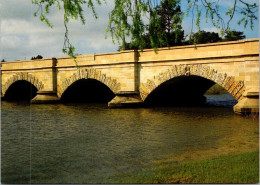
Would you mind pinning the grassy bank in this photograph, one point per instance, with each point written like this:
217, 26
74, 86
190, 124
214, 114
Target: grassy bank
240, 168
216, 89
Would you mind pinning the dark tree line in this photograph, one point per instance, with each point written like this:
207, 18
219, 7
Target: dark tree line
38, 57
204, 37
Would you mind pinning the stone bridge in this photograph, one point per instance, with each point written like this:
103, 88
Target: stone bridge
134, 77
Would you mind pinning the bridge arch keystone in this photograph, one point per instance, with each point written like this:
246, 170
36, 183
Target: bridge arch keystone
235, 88
89, 73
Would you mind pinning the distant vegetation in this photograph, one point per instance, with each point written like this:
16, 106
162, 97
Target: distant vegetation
38, 57
202, 37
216, 89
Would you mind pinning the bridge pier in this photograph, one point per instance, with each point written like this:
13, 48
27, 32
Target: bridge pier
126, 99
248, 104
45, 97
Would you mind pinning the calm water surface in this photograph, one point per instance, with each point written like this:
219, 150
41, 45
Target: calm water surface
88, 143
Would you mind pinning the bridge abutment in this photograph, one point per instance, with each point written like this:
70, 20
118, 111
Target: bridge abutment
248, 104
126, 99
49, 93
43, 97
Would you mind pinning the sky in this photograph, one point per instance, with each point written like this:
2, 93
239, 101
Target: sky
23, 36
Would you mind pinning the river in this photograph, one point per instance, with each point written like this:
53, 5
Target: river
88, 143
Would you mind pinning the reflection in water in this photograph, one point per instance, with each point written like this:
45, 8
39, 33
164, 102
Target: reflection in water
88, 143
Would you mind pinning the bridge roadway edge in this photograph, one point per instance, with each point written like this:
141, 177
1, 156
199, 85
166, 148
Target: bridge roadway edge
129, 94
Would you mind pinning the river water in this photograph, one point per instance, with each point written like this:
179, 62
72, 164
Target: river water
88, 143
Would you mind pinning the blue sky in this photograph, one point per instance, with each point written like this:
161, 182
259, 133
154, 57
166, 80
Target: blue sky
22, 35
225, 6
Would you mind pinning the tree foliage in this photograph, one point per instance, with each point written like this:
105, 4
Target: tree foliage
234, 35
37, 57
134, 18
213, 10
163, 30
203, 37
72, 9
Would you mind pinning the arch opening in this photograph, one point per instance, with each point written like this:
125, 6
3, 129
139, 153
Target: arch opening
20, 90
87, 91
181, 91
218, 96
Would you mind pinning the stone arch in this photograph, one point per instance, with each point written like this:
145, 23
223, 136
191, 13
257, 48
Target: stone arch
235, 88
22, 76
88, 73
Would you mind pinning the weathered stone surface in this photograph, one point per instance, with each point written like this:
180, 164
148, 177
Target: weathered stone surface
45, 97
126, 100
247, 105
228, 82
21, 76
233, 65
88, 73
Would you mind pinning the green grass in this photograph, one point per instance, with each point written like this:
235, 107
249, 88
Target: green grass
216, 89
241, 168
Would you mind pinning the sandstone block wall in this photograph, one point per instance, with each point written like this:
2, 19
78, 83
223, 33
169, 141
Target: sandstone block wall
130, 70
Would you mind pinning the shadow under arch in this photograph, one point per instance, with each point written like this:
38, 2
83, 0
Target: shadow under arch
87, 90
201, 77
20, 90
22, 78
88, 73
181, 90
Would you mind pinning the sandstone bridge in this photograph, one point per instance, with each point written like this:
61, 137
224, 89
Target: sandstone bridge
176, 74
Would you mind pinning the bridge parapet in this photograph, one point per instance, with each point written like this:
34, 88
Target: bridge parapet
27, 65
205, 52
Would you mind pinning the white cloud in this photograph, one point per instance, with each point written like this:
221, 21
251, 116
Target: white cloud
23, 35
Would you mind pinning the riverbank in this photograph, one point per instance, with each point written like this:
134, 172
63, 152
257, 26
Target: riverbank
239, 168
216, 89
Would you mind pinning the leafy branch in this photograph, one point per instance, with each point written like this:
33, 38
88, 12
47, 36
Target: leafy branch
73, 9
135, 18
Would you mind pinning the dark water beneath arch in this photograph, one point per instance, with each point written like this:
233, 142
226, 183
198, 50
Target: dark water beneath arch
88, 143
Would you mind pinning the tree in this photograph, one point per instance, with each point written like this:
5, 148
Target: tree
204, 37
127, 17
234, 35
212, 9
169, 31
38, 57
3, 60
167, 26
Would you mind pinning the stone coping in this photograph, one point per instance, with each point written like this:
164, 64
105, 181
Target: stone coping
145, 50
